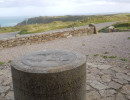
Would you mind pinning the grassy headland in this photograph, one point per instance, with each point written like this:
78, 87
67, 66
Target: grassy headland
66, 23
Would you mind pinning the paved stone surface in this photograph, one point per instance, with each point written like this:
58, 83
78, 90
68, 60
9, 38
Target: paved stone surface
106, 78
10, 95
107, 93
99, 66
120, 81
4, 89
108, 98
126, 89
123, 76
120, 97
114, 85
93, 95
102, 84
98, 85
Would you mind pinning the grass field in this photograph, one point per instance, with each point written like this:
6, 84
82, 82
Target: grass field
35, 28
121, 26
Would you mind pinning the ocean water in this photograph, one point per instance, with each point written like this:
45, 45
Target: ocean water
10, 21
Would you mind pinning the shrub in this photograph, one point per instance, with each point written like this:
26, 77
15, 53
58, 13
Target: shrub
23, 32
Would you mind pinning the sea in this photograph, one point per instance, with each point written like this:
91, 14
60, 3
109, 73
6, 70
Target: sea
11, 21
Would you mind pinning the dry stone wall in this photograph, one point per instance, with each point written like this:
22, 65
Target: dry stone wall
45, 36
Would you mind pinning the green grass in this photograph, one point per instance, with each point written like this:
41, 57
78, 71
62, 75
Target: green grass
123, 59
128, 38
119, 90
106, 52
112, 57
104, 56
87, 55
83, 44
35, 28
23, 32
9, 61
121, 26
103, 29
96, 55
1, 63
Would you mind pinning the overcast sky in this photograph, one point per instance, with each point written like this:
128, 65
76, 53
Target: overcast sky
62, 7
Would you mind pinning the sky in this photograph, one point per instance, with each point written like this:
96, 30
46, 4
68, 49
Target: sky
62, 7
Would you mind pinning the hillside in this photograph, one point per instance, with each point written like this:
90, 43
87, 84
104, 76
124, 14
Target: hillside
36, 27
49, 19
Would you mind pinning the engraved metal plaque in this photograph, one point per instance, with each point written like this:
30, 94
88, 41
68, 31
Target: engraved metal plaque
49, 59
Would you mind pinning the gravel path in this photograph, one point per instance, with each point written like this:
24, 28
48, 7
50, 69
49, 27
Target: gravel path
102, 25
116, 44
7, 35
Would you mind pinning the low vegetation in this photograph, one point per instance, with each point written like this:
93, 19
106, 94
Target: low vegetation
64, 22
96, 55
122, 26
123, 59
119, 90
9, 61
83, 44
1, 63
104, 56
106, 52
112, 57
119, 27
87, 55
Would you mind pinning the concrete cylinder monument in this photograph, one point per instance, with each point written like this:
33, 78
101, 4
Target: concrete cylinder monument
50, 75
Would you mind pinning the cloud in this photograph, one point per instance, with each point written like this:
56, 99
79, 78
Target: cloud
49, 3
124, 1
61, 7
25, 3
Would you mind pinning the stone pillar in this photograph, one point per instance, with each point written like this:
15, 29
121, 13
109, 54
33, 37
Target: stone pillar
50, 75
95, 29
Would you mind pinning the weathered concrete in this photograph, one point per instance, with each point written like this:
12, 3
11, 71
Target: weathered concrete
50, 75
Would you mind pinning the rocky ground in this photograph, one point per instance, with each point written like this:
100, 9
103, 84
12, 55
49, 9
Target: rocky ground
108, 64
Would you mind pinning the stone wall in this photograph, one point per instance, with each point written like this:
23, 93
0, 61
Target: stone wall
45, 36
